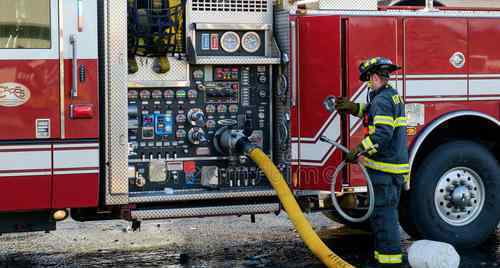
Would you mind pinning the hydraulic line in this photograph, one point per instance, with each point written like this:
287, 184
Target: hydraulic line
293, 210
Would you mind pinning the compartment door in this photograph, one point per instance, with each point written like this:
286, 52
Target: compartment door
29, 70
368, 37
436, 66
319, 75
81, 89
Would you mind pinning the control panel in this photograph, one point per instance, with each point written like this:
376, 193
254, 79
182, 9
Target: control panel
171, 130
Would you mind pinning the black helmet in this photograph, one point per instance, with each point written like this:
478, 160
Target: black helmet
378, 65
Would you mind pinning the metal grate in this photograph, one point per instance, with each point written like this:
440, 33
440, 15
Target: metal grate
230, 5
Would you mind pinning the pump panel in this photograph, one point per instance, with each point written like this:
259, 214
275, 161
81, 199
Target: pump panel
171, 130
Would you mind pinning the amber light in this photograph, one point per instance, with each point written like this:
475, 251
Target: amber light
60, 215
411, 131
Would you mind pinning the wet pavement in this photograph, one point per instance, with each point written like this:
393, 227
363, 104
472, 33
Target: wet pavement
208, 242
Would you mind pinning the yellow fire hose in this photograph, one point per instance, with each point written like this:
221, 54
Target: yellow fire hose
294, 212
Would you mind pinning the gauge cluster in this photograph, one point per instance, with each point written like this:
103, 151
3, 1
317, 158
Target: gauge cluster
230, 43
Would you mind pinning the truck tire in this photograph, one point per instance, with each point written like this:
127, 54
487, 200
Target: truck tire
405, 217
455, 195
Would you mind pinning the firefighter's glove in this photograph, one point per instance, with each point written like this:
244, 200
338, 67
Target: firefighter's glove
352, 156
343, 105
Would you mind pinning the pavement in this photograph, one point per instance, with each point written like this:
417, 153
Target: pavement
206, 242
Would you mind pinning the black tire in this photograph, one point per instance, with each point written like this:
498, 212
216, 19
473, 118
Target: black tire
405, 217
424, 212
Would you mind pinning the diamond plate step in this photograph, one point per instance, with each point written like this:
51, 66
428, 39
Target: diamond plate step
204, 211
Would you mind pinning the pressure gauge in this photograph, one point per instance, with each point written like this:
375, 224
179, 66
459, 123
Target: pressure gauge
250, 42
230, 42
157, 94
145, 94
132, 94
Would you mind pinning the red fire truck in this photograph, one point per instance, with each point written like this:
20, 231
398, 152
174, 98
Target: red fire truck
85, 135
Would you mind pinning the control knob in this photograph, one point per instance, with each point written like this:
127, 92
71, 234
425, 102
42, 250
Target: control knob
197, 136
196, 117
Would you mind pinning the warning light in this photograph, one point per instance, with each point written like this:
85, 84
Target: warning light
411, 131
81, 111
214, 41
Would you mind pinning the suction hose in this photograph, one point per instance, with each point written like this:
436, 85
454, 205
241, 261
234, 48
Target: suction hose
294, 212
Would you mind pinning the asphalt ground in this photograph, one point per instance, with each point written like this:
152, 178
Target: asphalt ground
206, 242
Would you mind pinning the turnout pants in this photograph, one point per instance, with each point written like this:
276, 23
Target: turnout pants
384, 220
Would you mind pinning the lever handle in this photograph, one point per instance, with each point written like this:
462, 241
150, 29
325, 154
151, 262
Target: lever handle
74, 73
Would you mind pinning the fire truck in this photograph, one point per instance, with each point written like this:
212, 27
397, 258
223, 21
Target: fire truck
115, 109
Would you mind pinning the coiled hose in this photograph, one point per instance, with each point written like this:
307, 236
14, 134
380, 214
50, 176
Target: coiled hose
340, 167
292, 208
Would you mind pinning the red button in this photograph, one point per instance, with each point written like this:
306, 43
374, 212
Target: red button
189, 166
81, 111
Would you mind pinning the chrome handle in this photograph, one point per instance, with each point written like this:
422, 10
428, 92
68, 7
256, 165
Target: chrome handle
74, 73
293, 62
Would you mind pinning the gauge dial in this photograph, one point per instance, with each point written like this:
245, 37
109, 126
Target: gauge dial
210, 109
233, 108
157, 94
250, 42
192, 94
230, 42
180, 94
132, 94
145, 94
169, 94
222, 108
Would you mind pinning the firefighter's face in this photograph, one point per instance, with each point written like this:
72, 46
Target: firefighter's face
376, 81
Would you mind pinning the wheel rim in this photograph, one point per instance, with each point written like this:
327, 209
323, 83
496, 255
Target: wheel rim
459, 196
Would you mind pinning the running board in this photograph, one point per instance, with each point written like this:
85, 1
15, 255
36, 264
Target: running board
150, 214
196, 195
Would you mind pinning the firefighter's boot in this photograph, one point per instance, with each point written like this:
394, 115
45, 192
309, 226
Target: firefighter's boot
163, 64
132, 65
131, 52
131, 49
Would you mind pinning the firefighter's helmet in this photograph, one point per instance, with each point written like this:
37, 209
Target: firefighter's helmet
379, 65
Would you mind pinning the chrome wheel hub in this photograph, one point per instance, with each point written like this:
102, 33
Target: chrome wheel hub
459, 196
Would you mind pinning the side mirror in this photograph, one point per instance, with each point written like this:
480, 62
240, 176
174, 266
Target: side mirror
329, 104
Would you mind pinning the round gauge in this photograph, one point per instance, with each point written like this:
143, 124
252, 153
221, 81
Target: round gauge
233, 108
145, 94
210, 108
230, 42
181, 134
222, 108
250, 42
181, 118
192, 94
169, 94
133, 94
180, 94
211, 124
157, 94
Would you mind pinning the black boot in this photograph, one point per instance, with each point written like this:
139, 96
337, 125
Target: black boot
163, 65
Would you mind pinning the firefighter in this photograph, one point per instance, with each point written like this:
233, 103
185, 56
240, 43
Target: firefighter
385, 154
